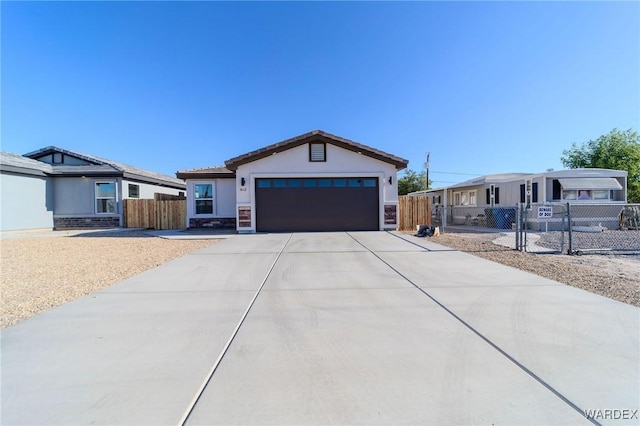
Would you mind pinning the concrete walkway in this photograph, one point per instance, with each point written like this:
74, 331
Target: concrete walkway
326, 328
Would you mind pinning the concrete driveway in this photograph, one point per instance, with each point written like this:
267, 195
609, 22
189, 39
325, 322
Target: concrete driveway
326, 328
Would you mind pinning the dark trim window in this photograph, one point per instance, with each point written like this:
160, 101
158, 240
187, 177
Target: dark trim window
134, 191
534, 193
57, 158
105, 197
496, 196
203, 198
282, 183
557, 190
317, 152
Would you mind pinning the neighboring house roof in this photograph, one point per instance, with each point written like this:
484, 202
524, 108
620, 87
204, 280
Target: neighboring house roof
489, 179
320, 136
206, 173
19, 164
584, 172
569, 178
102, 167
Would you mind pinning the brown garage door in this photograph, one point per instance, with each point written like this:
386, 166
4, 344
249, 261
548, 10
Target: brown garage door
317, 204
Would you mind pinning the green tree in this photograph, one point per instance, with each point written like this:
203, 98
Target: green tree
618, 150
411, 182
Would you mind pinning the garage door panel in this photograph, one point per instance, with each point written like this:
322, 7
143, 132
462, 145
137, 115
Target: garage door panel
303, 208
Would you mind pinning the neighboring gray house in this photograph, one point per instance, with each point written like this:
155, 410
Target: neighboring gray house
313, 182
62, 189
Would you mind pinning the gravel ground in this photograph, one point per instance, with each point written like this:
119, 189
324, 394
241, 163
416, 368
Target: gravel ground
41, 271
616, 277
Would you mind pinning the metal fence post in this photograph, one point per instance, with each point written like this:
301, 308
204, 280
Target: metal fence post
523, 227
562, 226
570, 251
518, 215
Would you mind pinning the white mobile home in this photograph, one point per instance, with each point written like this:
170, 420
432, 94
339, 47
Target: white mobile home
475, 200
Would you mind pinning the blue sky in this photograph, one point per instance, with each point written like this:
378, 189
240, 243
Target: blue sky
485, 87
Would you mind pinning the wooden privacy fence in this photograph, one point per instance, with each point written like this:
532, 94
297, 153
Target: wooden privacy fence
413, 211
155, 214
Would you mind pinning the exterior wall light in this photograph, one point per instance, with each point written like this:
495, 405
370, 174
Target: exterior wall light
242, 181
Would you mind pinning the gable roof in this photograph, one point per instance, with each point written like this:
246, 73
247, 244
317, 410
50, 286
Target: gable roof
23, 165
206, 173
102, 167
319, 136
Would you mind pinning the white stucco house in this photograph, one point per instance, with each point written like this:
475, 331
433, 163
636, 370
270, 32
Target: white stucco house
55, 188
313, 182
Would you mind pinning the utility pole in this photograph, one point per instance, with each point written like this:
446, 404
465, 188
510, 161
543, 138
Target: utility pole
426, 167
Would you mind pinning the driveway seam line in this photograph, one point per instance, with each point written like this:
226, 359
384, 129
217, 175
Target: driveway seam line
486, 339
214, 367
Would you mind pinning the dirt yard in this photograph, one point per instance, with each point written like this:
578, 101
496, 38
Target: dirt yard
613, 276
42, 271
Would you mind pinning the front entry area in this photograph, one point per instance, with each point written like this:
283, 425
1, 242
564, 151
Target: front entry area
317, 204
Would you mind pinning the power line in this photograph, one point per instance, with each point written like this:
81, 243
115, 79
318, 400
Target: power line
458, 173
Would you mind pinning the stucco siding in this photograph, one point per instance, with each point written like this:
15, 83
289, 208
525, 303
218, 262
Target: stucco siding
27, 202
224, 198
340, 162
76, 196
147, 191
295, 162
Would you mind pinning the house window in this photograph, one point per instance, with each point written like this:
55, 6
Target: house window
134, 191
569, 194
464, 198
58, 158
105, 197
317, 152
601, 194
203, 198
585, 194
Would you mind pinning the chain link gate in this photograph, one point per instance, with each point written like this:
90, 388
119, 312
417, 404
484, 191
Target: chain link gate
542, 228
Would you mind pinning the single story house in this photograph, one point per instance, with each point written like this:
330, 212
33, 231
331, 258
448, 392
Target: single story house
55, 188
313, 182
475, 197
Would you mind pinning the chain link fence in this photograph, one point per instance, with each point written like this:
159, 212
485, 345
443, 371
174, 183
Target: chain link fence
598, 228
571, 228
